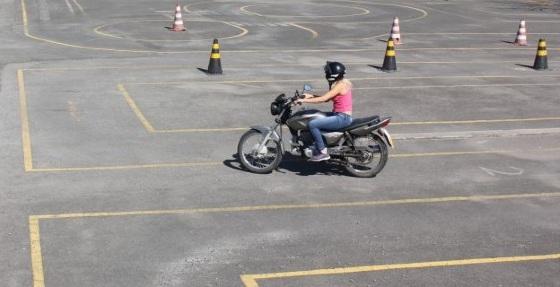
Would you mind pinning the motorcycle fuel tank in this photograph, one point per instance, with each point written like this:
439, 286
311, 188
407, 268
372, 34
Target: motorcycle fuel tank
299, 120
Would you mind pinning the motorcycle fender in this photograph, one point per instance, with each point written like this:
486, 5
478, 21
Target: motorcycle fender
261, 129
386, 136
264, 130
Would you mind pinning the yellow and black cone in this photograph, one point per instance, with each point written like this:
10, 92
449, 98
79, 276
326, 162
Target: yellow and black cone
541, 60
215, 65
390, 61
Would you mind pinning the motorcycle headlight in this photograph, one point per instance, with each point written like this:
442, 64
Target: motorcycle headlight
275, 108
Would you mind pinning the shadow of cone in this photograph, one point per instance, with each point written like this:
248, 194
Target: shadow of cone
541, 60
215, 65
390, 62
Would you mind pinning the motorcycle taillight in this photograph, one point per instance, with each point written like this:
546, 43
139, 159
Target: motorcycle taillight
384, 123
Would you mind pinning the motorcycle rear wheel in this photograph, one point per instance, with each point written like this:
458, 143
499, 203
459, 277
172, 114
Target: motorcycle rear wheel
258, 161
373, 156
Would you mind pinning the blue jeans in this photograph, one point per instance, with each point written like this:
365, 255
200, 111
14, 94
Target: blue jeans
333, 122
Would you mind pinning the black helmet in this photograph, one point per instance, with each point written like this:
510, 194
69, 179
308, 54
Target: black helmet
334, 71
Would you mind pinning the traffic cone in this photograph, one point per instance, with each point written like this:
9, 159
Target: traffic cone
178, 21
215, 65
390, 62
541, 60
521, 38
396, 32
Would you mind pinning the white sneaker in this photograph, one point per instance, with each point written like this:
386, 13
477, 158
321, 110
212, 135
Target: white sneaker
322, 156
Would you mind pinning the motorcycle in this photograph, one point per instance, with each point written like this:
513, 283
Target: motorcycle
361, 148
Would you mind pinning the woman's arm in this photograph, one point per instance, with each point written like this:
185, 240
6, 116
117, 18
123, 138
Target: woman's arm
337, 89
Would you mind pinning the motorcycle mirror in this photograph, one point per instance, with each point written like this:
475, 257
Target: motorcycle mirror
307, 88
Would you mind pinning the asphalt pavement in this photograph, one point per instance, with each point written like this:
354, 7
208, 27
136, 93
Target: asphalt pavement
118, 152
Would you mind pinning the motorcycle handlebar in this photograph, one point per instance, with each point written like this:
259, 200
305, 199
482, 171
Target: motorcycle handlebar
298, 96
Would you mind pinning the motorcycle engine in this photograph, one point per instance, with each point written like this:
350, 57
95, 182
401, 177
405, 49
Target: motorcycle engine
306, 138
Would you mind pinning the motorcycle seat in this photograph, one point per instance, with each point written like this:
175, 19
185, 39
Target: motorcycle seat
356, 123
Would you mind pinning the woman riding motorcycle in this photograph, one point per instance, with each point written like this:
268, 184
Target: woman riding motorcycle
340, 93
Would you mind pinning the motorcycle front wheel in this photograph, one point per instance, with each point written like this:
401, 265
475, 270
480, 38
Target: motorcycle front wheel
371, 156
256, 156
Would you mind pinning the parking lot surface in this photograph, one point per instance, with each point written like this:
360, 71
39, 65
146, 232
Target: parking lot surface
119, 163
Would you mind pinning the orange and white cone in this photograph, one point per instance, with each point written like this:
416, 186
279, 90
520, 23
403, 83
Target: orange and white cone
521, 38
396, 32
178, 25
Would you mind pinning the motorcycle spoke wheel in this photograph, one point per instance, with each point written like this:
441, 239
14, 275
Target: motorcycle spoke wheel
258, 157
372, 154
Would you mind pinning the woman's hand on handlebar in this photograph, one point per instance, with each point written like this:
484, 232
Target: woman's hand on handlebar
302, 98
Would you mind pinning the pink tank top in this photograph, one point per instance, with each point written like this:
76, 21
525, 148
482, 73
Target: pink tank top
343, 102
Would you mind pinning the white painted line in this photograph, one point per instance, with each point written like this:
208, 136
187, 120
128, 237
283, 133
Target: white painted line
79, 6
314, 34
69, 6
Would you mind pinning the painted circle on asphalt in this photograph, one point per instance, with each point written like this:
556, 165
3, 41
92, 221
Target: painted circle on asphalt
304, 10
158, 30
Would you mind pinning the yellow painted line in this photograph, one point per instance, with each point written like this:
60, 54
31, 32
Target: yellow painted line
79, 6
187, 7
462, 122
150, 128
476, 121
251, 280
147, 125
24, 117
467, 49
244, 10
453, 86
36, 255
314, 34
457, 153
451, 153
364, 12
427, 200
482, 33
29, 35
142, 67
461, 62
533, 21
353, 79
195, 130
69, 6
24, 17
35, 242
98, 30
423, 13
214, 163
459, 33
475, 20
127, 167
